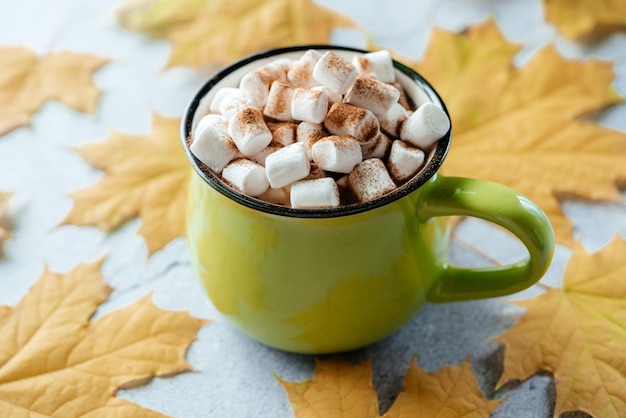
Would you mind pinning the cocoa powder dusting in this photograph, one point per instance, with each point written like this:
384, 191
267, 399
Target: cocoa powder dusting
364, 63
338, 63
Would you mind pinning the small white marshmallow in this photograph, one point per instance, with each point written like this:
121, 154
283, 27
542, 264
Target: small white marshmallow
333, 97
301, 72
425, 126
287, 165
372, 94
317, 193
214, 107
213, 148
279, 98
276, 196
392, 120
246, 176
254, 84
348, 120
334, 72
370, 180
236, 101
309, 105
218, 122
283, 133
404, 160
377, 148
249, 131
338, 154
379, 63
309, 133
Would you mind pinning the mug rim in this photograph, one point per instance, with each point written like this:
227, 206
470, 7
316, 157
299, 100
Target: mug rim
213, 180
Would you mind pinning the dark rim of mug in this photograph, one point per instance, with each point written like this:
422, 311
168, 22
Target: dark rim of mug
432, 165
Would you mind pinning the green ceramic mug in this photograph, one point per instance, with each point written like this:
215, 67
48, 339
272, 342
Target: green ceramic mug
329, 280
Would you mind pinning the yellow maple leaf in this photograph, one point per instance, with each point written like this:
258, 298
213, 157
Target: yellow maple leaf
54, 361
586, 19
27, 82
5, 222
144, 176
221, 31
523, 127
340, 389
577, 332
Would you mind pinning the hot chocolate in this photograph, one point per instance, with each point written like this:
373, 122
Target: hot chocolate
318, 131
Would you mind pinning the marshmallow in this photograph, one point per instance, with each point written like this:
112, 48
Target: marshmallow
317, 193
301, 72
260, 156
372, 94
404, 160
276, 196
213, 148
334, 72
378, 62
338, 154
246, 176
258, 88
236, 101
308, 105
287, 165
392, 120
309, 133
347, 120
249, 131
377, 148
404, 100
283, 133
214, 107
333, 97
278, 104
218, 122
425, 126
370, 180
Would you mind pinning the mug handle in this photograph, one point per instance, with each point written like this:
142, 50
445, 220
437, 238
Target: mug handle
493, 202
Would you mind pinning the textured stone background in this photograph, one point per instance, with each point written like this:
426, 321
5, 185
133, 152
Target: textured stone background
233, 375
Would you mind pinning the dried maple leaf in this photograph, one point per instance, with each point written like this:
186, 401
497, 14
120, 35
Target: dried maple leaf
586, 19
341, 390
577, 332
27, 82
4, 220
54, 361
221, 31
144, 176
523, 126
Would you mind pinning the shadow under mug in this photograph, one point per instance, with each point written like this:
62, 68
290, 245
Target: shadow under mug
329, 280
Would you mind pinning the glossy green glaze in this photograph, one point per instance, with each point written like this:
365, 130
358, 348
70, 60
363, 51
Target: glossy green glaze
320, 285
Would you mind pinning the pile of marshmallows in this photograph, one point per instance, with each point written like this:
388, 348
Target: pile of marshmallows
315, 132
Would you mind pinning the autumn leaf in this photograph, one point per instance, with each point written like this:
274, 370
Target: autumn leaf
340, 389
577, 332
586, 19
27, 82
54, 361
524, 127
221, 31
449, 392
5, 222
145, 177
